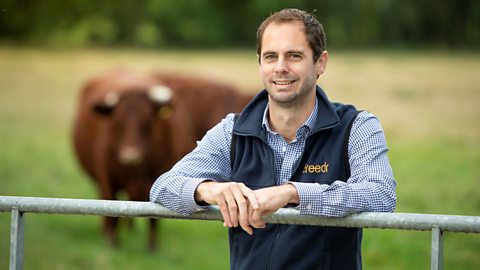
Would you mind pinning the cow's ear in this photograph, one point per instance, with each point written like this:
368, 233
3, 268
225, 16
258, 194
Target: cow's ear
107, 105
160, 94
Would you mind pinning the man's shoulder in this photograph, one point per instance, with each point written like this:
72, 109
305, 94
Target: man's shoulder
365, 123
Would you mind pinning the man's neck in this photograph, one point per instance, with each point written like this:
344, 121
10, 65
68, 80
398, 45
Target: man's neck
286, 120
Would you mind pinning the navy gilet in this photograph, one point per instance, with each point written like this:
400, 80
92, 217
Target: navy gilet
324, 160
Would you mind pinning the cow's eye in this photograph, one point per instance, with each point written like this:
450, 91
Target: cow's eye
103, 109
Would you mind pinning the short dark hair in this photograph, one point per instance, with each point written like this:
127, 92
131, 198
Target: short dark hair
313, 29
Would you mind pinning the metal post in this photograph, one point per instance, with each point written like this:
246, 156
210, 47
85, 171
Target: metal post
16, 240
437, 249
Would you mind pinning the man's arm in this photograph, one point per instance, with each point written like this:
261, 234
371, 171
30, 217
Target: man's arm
200, 178
371, 186
210, 160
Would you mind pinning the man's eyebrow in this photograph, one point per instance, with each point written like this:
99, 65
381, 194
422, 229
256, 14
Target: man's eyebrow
268, 52
295, 52
288, 52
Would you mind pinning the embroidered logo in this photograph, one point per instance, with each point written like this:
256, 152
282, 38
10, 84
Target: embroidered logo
316, 168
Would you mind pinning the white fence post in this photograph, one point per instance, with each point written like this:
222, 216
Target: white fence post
16, 240
437, 249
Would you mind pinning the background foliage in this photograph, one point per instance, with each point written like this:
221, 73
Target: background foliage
228, 23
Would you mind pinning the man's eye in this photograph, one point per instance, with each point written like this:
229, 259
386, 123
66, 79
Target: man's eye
269, 57
295, 56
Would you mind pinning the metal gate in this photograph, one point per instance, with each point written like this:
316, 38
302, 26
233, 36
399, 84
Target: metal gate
437, 224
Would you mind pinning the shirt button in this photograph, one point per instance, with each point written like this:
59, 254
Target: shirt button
309, 207
284, 149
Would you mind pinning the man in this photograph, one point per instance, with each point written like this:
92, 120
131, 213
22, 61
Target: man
291, 147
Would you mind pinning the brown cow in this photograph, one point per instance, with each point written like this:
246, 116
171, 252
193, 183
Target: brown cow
207, 100
128, 130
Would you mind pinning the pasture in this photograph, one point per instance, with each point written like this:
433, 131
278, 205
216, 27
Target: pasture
428, 103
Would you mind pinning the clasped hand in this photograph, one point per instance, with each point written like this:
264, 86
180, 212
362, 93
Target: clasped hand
242, 206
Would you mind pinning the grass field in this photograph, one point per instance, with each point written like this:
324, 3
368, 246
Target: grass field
428, 103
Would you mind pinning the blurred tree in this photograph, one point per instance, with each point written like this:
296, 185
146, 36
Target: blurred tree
229, 23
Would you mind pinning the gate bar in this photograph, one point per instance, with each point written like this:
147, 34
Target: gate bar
403, 221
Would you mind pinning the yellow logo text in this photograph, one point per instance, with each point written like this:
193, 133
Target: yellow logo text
316, 168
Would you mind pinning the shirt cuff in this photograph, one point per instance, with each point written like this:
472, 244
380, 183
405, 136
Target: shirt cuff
188, 195
310, 197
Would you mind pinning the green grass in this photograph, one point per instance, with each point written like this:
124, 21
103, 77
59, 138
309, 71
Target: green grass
428, 103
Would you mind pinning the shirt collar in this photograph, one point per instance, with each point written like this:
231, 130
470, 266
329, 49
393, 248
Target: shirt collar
250, 122
309, 123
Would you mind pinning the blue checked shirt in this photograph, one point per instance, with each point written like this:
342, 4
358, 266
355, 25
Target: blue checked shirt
371, 186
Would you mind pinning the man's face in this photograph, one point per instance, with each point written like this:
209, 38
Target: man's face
286, 64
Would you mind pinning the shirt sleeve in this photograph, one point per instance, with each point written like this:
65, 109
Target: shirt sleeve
210, 160
371, 186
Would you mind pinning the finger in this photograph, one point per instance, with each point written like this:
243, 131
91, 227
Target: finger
226, 216
232, 208
252, 198
253, 223
248, 229
256, 219
222, 204
242, 210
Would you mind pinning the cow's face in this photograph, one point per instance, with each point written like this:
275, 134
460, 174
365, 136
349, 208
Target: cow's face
135, 119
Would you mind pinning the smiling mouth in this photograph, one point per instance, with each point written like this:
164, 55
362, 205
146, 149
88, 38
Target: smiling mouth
283, 82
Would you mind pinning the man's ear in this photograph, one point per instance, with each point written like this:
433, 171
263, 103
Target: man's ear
322, 63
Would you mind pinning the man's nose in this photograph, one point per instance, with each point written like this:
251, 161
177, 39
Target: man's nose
282, 65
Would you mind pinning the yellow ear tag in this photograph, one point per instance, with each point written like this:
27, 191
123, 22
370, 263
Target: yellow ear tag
165, 112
